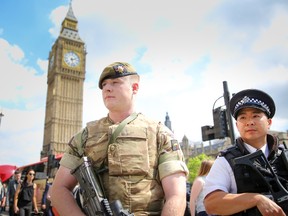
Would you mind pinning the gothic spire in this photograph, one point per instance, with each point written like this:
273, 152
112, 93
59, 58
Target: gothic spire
167, 121
69, 28
70, 15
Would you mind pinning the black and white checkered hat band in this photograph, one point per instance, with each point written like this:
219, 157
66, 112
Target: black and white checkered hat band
252, 101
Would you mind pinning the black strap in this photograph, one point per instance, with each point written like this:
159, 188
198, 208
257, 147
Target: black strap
121, 127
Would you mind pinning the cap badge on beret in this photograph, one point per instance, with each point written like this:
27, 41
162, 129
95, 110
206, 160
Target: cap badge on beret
257, 102
120, 69
116, 70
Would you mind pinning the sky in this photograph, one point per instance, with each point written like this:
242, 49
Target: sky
183, 50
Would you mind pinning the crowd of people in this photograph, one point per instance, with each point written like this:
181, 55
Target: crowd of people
141, 164
19, 196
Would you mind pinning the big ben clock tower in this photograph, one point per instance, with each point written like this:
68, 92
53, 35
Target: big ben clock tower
65, 80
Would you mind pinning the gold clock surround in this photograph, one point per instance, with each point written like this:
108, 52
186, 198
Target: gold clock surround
71, 59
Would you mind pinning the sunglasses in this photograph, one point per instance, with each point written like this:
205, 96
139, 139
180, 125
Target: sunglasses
31, 174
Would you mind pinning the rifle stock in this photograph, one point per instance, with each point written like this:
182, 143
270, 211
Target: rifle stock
94, 200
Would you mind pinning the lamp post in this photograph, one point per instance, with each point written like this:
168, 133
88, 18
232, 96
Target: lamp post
228, 113
1, 115
221, 122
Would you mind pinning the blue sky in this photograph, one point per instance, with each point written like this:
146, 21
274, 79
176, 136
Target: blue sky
183, 50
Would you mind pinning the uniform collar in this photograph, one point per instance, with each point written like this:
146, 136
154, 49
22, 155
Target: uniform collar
264, 149
270, 149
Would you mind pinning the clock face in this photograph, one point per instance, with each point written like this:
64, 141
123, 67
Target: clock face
71, 59
51, 62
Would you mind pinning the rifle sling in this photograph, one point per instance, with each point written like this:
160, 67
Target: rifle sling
121, 126
113, 137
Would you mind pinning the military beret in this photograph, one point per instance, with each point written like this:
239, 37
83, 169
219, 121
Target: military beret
252, 98
115, 70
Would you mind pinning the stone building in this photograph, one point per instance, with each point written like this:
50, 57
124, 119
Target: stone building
213, 147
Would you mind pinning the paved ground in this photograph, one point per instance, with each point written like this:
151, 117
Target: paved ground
4, 213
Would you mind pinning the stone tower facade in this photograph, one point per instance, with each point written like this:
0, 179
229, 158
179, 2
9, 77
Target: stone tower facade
65, 80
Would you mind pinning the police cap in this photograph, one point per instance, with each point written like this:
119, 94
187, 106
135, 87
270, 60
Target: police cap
115, 70
252, 98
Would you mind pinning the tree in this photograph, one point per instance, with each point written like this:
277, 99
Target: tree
194, 165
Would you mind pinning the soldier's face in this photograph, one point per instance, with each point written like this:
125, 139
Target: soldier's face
117, 94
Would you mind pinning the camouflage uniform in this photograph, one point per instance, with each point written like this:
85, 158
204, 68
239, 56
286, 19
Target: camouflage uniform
143, 154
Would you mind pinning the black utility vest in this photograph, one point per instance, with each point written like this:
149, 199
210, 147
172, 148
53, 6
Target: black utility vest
249, 180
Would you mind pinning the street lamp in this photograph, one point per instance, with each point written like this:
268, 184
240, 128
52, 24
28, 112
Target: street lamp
228, 113
1, 115
223, 125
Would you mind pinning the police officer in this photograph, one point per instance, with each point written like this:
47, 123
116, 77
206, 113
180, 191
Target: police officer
234, 189
145, 163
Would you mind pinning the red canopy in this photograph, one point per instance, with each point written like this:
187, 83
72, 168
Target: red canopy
6, 171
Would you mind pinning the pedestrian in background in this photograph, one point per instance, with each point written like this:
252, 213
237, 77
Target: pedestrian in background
1, 194
4, 197
197, 193
25, 195
12, 186
45, 202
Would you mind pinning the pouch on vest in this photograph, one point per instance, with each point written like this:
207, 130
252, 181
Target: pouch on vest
128, 155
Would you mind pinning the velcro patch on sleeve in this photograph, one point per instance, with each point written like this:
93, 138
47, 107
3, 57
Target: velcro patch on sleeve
175, 145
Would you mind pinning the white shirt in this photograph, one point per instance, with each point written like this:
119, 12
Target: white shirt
221, 176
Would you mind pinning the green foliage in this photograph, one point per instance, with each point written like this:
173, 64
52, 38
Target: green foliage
194, 165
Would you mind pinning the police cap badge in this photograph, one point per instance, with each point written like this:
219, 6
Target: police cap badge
252, 98
115, 70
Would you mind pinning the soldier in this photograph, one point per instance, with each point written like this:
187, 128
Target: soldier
145, 163
235, 189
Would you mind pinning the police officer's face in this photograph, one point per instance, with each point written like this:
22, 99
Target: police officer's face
253, 125
117, 93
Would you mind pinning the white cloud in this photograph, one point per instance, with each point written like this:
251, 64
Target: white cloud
43, 65
175, 37
19, 82
10, 52
22, 134
57, 16
274, 36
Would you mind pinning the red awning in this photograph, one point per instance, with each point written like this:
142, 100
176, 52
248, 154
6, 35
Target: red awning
6, 171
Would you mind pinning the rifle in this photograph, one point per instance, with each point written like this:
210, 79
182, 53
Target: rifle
259, 163
94, 200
